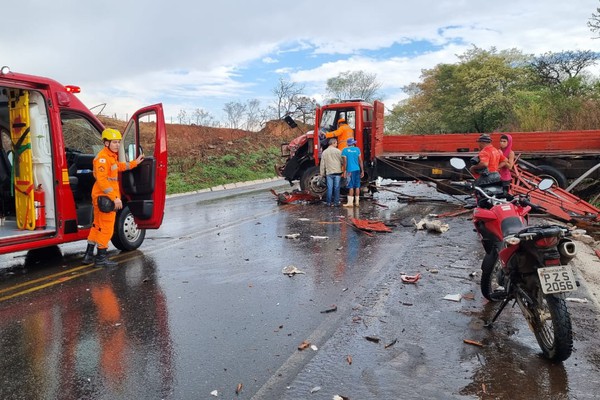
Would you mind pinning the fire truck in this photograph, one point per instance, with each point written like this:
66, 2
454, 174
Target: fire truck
49, 139
561, 156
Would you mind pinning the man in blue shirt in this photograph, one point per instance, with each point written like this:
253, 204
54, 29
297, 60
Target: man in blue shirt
353, 171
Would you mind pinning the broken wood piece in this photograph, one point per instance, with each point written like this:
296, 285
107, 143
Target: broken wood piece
391, 344
331, 309
304, 345
473, 342
410, 278
349, 359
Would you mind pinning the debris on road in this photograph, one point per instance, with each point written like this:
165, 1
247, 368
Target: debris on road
331, 309
319, 237
304, 345
215, 393
313, 347
434, 226
577, 300
338, 397
393, 342
295, 196
315, 389
468, 296
372, 339
370, 225
453, 297
597, 252
291, 270
410, 278
292, 236
349, 359
238, 389
473, 342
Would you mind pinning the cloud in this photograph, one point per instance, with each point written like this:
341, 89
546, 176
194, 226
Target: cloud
190, 54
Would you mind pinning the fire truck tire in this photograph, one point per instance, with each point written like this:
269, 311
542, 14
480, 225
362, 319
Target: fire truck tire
557, 176
127, 235
310, 181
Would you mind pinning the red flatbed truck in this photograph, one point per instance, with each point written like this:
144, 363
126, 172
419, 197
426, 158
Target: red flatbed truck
49, 139
560, 155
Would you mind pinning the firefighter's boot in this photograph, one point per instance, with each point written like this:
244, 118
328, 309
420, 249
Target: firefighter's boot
356, 200
103, 261
88, 257
350, 202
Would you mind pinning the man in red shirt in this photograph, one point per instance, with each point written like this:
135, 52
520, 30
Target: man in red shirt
489, 157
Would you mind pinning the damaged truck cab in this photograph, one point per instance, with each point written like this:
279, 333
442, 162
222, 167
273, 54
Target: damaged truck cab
48, 143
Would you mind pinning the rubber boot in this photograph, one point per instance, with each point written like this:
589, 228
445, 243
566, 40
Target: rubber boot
350, 202
103, 261
356, 200
88, 257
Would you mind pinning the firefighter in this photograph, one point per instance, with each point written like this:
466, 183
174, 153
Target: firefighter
106, 172
342, 133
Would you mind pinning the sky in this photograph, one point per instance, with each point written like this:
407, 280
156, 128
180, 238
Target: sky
198, 54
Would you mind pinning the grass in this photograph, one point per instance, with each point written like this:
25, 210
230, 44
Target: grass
186, 174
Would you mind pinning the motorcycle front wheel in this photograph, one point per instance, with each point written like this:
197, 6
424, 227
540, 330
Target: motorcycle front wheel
550, 322
492, 278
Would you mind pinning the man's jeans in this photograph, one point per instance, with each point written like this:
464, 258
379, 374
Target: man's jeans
333, 187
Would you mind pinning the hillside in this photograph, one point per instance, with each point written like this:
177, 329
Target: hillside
201, 157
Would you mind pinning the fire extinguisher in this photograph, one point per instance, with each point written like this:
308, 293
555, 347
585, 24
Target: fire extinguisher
39, 200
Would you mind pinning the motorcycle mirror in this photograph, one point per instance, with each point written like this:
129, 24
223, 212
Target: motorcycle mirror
458, 163
545, 184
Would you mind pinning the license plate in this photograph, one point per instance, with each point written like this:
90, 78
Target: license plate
558, 279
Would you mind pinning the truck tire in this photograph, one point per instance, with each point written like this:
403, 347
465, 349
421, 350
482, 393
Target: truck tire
127, 235
550, 172
311, 182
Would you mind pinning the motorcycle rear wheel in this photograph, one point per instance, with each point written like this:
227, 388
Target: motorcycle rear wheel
492, 278
550, 322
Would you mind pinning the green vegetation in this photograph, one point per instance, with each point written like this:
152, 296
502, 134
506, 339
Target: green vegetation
490, 90
186, 174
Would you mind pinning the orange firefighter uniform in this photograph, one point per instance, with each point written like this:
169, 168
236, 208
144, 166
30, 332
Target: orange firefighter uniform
106, 172
342, 133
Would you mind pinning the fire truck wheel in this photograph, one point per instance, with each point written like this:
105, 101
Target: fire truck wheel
127, 235
557, 176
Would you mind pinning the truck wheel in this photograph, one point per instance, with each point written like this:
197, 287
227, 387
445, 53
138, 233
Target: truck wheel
557, 176
312, 182
127, 235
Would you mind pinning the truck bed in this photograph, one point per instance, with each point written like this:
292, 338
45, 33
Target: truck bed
532, 143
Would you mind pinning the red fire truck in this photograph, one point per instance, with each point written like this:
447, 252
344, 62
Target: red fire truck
558, 155
48, 142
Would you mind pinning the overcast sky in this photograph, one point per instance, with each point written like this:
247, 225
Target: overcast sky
191, 54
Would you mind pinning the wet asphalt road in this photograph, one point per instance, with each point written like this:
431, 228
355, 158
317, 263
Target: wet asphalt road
203, 305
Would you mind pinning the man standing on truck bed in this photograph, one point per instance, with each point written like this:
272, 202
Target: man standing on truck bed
106, 172
342, 133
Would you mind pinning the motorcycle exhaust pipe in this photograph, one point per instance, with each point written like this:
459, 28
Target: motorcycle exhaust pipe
567, 251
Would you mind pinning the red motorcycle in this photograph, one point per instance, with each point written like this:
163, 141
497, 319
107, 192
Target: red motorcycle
526, 264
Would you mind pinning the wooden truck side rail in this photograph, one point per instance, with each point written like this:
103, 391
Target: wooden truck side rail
552, 142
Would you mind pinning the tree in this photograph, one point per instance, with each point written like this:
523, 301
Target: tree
474, 95
235, 113
182, 116
202, 117
286, 94
253, 121
594, 23
353, 85
555, 68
